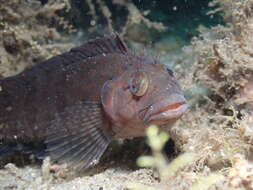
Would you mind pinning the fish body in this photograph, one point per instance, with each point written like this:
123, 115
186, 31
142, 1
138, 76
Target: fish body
77, 102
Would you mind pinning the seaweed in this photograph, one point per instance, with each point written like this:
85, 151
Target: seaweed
218, 126
27, 35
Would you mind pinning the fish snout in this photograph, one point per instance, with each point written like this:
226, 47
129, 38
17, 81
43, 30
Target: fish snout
171, 108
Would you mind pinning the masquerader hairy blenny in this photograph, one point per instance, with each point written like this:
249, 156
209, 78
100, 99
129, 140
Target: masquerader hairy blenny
77, 102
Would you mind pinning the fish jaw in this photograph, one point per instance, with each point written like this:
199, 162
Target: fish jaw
166, 110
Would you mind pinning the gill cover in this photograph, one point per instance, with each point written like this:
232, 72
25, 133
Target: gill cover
117, 101
108, 100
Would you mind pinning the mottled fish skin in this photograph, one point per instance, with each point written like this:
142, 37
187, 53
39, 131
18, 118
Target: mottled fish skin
77, 102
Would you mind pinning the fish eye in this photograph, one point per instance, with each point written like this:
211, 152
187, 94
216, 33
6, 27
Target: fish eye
139, 83
171, 73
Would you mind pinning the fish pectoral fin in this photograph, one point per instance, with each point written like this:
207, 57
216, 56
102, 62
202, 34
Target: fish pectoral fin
77, 136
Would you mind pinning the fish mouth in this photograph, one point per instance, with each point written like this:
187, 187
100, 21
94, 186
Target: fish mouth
163, 111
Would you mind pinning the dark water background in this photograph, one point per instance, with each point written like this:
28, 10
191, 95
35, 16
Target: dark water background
182, 18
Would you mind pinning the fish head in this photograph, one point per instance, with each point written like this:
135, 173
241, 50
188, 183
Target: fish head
142, 95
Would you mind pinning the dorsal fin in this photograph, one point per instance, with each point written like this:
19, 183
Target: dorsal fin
101, 46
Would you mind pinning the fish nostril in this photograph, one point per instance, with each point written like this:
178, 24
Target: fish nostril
171, 73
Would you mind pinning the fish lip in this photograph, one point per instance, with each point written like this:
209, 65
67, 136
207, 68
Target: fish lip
168, 109
169, 114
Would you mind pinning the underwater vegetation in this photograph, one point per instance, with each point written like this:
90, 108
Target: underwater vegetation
215, 68
168, 172
28, 33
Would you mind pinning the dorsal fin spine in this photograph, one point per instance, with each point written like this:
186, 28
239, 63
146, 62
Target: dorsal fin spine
121, 44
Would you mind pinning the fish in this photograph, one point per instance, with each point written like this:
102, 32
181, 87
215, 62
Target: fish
76, 103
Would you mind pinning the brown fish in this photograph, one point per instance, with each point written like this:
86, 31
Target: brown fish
77, 102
